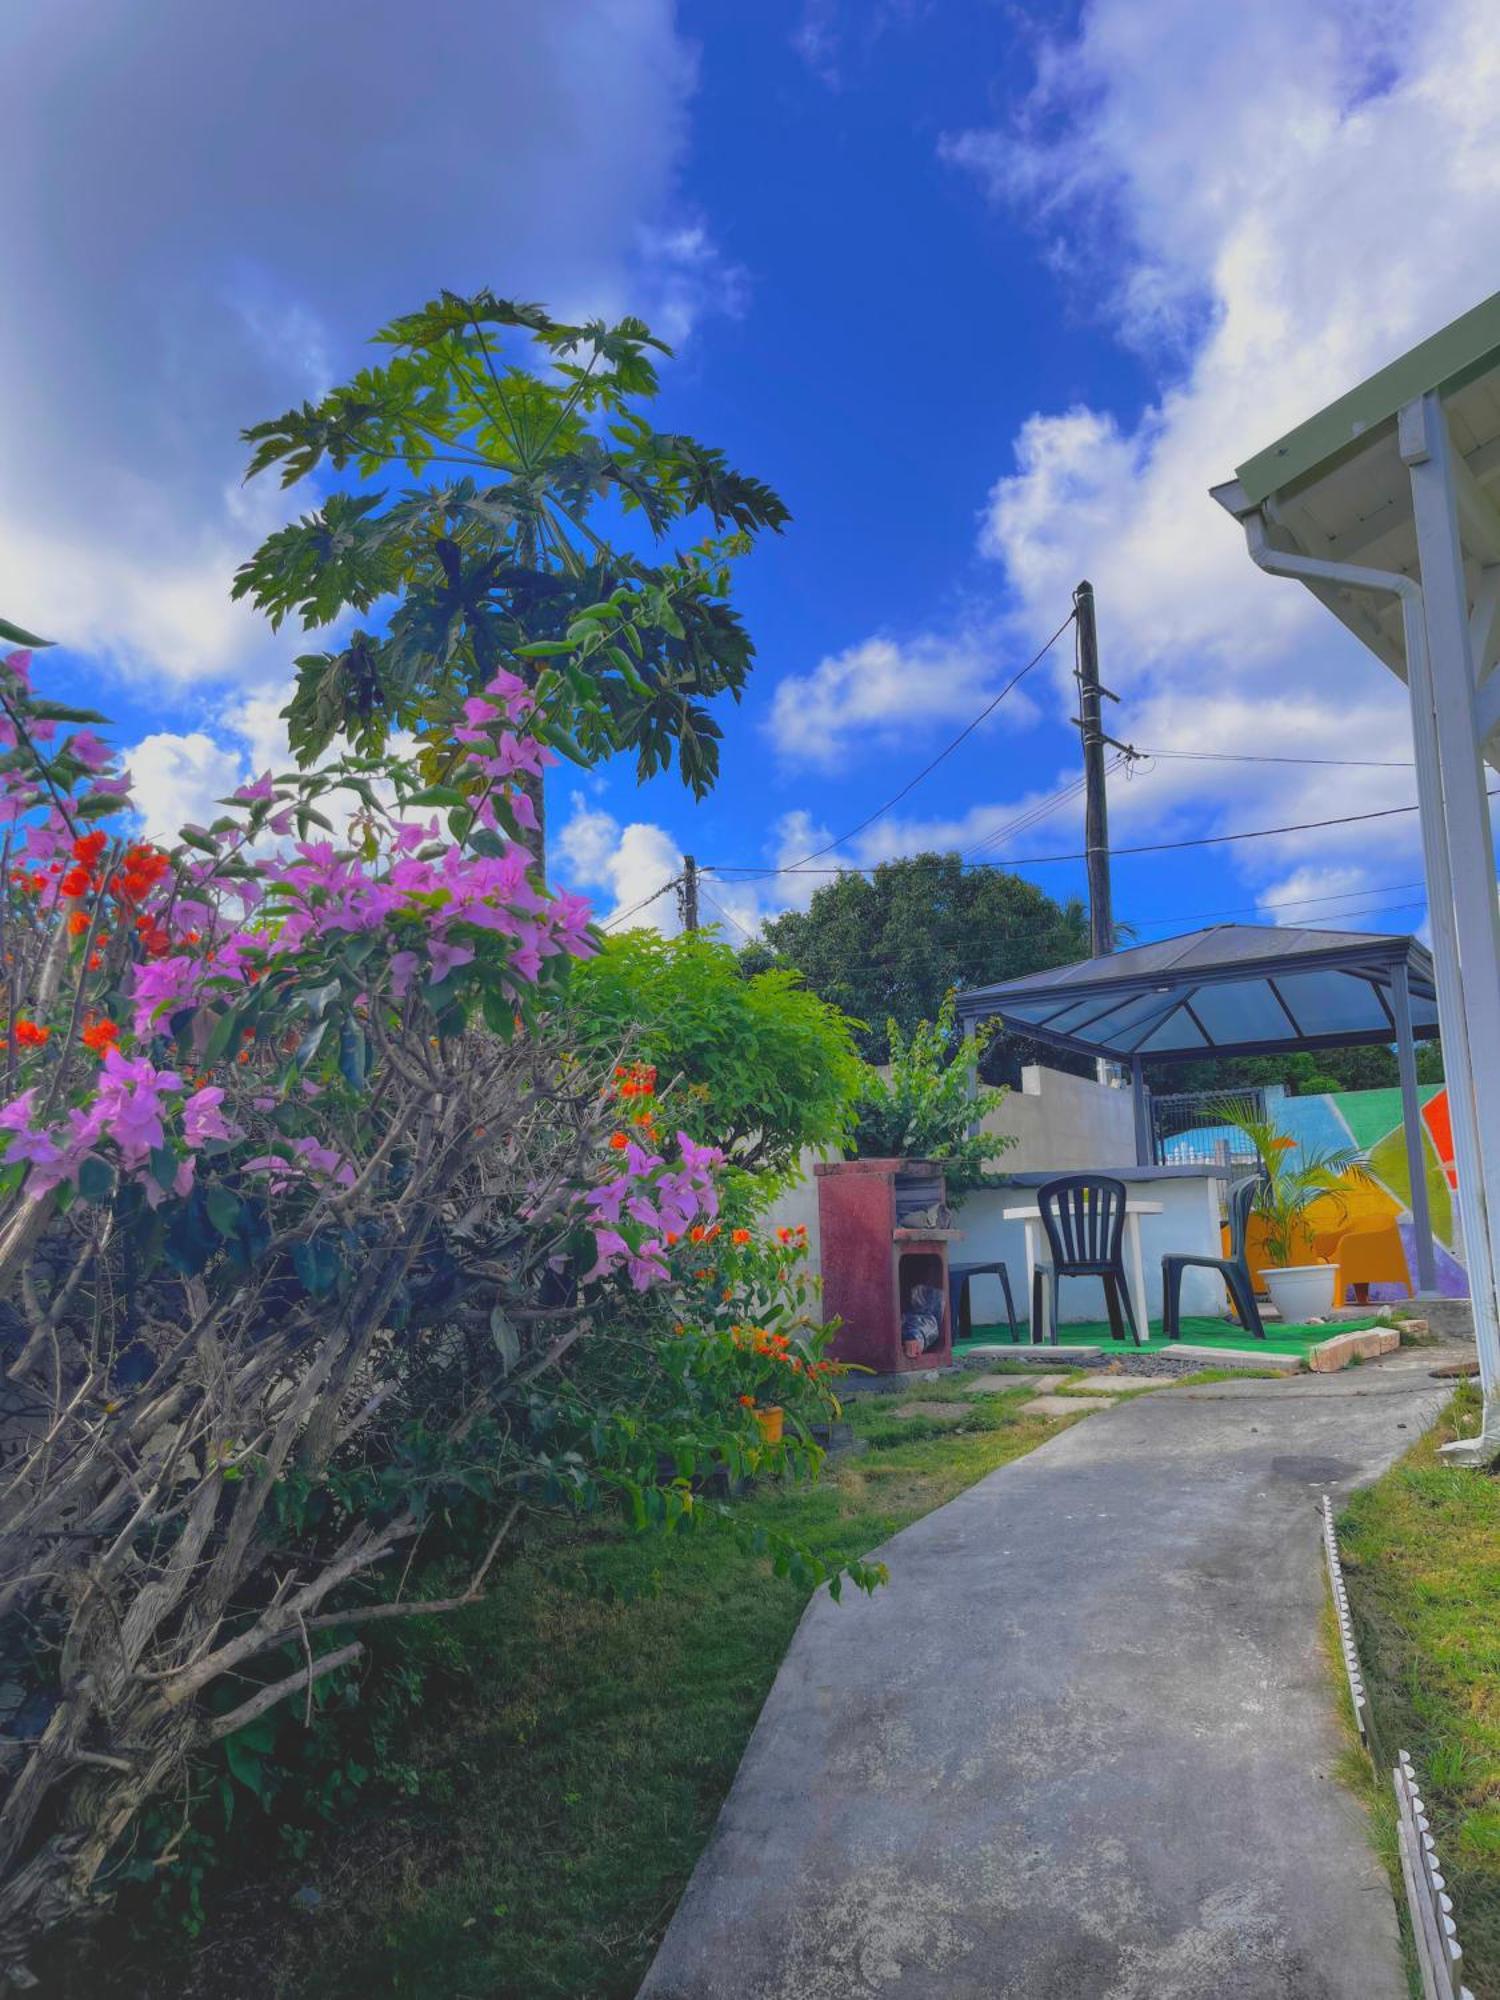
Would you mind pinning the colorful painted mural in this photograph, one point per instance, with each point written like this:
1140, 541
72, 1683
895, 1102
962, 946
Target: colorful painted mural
1372, 1239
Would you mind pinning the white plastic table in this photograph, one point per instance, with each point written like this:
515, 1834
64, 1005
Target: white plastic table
1134, 1210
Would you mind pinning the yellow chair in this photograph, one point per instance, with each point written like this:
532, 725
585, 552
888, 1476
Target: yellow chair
1368, 1251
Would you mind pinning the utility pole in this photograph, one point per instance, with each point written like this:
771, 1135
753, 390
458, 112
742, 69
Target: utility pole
687, 893
1096, 807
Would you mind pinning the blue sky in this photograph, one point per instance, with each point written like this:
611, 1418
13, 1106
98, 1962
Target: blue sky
990, 292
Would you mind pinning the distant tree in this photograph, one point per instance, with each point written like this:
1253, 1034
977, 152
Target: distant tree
506, 548
890, 946
1305, 1072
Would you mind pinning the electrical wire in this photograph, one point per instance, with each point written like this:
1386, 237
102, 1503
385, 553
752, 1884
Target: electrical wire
927, 769
1142, 847
1248, 757
644, 903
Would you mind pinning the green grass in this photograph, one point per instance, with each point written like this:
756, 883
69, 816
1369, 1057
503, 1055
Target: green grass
564, 1800
1421, 1552
1285, 1340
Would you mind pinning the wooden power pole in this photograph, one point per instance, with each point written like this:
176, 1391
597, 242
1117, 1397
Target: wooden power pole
687, 893
1096, 806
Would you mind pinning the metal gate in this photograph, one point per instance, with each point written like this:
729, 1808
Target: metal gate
1188, 1128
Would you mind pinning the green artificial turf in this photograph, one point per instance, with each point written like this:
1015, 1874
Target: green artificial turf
1293, 1340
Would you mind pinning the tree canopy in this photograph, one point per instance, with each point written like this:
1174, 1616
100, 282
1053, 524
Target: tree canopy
891, 945
513, 555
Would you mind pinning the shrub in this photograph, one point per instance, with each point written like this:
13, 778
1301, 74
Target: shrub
929, 1104
761, 1065
320, 1245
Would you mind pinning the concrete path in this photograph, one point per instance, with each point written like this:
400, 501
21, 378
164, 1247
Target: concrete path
1083, 1746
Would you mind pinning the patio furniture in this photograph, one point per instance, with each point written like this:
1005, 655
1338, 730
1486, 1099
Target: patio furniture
1084, 1217
1368, 1251
1233, 1269
1031, 1218
958, 1293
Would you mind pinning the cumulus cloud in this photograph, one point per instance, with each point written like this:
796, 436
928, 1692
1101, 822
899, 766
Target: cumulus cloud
628, 863
870, 692
1282, 198
207, 210
178, 779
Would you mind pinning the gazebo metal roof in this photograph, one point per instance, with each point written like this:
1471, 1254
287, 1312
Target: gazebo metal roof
1236, 989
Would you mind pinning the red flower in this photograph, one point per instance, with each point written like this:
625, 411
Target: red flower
28, 1034
88, 847
100, 1035
75, 882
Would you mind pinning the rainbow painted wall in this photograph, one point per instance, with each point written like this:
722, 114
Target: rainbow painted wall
1373, 1238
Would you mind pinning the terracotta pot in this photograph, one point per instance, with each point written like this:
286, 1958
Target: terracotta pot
771, 1422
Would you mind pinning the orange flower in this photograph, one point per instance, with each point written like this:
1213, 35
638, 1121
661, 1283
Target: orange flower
89, 847
618, 1141
78, 922
100, 1035
740, 1238
748, 1401
29, 1035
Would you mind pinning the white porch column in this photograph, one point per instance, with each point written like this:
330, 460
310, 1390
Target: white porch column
1466, 922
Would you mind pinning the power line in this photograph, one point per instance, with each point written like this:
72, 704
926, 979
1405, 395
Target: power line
927, 769
729, 917
624, 915
1248, 757
1143, 847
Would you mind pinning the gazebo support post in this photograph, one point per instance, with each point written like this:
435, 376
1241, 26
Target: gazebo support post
1411, 1119
1143, 1147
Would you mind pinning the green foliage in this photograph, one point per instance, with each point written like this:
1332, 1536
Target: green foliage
888, 947
928, 1106
1287, 1192
1305, 1074
759, 1066
497, 558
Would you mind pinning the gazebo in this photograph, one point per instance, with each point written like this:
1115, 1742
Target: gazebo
1237, 990
1384, 506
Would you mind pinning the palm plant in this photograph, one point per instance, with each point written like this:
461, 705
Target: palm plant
1288, 1191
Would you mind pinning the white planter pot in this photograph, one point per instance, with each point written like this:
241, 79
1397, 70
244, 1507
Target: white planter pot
1302, 1292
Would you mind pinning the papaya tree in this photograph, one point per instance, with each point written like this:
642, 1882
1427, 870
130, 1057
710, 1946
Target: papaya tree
529, 539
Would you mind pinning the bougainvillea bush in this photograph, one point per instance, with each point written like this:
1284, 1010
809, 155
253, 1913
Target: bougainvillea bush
321, 1250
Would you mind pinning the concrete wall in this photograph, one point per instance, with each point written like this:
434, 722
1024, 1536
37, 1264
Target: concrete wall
1062, 1123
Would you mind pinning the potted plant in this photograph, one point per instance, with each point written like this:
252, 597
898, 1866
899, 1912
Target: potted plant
1300, 1290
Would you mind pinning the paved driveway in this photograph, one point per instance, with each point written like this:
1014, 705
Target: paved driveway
1083, 1746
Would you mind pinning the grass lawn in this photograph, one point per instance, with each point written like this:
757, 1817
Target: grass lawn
565, 1798
1291, 1341
1421, 1553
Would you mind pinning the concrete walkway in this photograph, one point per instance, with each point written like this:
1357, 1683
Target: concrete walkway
1083, 1746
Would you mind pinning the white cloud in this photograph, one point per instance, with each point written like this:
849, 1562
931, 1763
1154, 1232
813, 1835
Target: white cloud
1281, 198
178, 779
630, 864
206, 211
877, 690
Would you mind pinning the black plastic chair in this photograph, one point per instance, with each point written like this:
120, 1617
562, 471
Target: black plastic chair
958, 1296
1233, 1269
1084, 1218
